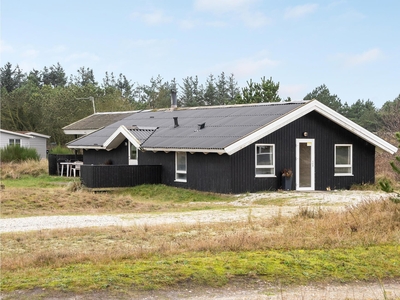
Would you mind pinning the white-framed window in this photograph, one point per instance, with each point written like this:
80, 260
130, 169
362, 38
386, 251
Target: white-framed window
180, 166
14, 142
265, 160
343, 159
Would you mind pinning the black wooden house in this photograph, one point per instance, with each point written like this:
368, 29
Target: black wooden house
233, 149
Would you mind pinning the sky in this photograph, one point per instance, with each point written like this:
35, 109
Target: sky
353, 47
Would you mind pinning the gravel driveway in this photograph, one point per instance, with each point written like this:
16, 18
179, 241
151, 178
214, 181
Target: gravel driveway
240, 210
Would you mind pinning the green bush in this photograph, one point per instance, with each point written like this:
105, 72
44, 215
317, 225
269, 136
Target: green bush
17, 153
386, 185
61, 150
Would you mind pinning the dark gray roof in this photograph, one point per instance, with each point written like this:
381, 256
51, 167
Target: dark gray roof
97, 120
224, 125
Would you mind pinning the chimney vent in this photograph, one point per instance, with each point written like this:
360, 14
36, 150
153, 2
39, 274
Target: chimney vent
176, 122
200, 126
174, 103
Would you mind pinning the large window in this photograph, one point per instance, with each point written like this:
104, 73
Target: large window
265, 160
180, 166
343, 160
14, 142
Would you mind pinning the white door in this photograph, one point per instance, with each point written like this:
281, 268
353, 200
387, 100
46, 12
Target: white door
305, 173
133, 154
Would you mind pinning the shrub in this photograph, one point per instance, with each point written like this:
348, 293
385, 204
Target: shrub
61, 150
17, 153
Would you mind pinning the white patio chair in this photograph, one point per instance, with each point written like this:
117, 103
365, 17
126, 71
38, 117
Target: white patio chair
76, 167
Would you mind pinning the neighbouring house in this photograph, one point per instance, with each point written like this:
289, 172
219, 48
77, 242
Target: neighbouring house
238, 148
25, 139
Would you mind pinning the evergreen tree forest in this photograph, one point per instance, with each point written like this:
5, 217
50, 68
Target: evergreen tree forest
46, 100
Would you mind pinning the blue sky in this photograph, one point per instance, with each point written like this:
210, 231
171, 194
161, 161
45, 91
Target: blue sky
353, 47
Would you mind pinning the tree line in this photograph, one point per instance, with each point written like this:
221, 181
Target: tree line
46, 100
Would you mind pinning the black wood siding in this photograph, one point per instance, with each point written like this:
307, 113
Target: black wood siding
118, 156
205, 172
102, 176
325, 134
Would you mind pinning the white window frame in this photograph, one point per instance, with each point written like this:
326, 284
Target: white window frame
180, 172
350, 165
14, 142
265, 166
131, 160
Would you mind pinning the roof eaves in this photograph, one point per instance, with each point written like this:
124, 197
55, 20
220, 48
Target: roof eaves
122, 131
190, 150
17, 133
268, 128
38, 134
353, 127
309, 106
82, 137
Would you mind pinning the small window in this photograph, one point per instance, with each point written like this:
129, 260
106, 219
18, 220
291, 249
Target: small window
180, 166
343, 160
14, 142
265, 160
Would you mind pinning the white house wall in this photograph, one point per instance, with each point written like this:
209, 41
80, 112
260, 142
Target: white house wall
39, 143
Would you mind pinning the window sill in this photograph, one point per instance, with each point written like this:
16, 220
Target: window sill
180, 180
265, 176
338, 175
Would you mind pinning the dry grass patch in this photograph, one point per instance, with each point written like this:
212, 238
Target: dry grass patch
17, 202
15, 170
367, 224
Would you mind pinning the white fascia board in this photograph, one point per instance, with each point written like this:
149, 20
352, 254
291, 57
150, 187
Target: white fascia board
121, 133
86, 147
38, 135
218, 151
353, 127
324, 110
79, 132
17, 133
268, 129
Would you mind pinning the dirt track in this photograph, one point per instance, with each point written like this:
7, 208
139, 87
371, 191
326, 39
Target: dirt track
274, 203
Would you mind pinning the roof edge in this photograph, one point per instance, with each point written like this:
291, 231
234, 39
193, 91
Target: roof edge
309, 106
353, 127
122, 130
17, 133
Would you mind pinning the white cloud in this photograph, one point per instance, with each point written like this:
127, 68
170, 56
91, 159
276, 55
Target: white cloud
300, 11
254, 19
187, 24
217, 24
57, 49
222, 6
30, 53
82, 56
294, 91
143, 43
5, 47
247, 67
361, 58
242, 10
152, 18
